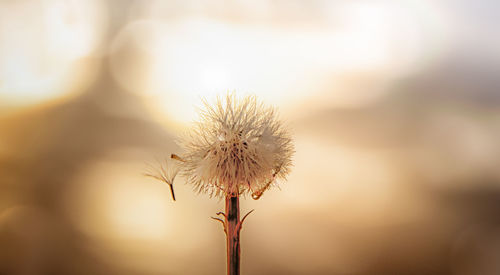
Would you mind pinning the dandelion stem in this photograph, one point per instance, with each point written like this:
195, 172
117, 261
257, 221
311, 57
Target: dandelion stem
233, 234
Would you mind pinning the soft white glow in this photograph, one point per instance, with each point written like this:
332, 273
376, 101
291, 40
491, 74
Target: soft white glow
199, 57
38, 56
214, 78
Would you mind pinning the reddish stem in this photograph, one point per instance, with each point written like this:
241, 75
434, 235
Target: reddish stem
233, 227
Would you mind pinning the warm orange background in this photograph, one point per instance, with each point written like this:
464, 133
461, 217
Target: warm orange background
394, 107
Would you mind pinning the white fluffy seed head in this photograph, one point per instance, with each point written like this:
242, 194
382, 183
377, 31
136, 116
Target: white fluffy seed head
238, 147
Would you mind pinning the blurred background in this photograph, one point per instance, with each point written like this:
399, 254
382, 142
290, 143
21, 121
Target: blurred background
394, 106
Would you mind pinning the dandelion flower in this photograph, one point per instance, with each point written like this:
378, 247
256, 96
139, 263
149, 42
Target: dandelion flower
238, 147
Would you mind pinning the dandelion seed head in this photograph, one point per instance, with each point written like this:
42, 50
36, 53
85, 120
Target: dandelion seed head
238, 147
